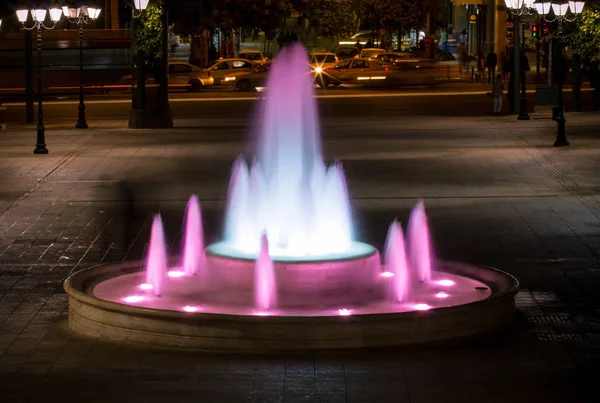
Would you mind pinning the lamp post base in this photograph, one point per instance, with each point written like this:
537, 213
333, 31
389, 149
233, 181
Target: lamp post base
523, 109
561, 135
40, 149
159, 117
81, 125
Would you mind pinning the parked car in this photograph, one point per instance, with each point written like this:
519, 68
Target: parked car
347, 52
394, 56
322, 60
373, 73
252, 55
180, 75
249, 80
225, 67
370, 53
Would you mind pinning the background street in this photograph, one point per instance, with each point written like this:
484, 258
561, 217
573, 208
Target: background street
496, 192
448, 99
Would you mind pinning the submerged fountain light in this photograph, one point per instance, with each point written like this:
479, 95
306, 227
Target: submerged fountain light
421, 307
344, 312
261, 313
387, 274
132, 299
441, 295
190, 308
146, 286
445, 283
176, 273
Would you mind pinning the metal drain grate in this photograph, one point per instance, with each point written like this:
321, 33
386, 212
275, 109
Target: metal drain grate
560, 337
549, 319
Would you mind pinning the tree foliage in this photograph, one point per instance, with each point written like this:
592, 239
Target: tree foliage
193, 16
584, 38
393, 15
333, 18
149, 30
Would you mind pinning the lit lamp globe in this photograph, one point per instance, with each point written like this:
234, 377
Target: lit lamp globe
140, 4
560, 8
514, 4
576, 6
94, 12
542, 7
55, 14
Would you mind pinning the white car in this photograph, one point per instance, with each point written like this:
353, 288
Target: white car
224, 67
322, 60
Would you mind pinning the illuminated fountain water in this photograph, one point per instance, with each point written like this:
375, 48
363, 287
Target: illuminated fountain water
396, 264
289, 272
287, 191
419, 242
193, 247
156, 262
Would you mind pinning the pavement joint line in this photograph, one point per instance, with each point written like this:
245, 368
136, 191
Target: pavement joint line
568, 184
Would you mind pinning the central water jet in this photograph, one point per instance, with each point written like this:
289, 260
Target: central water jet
287, 191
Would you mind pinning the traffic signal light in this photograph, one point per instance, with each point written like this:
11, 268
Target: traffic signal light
534, 31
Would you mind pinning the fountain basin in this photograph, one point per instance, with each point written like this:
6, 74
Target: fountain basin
325, 328
310, 275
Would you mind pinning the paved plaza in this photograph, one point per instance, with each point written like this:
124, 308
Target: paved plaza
496, 191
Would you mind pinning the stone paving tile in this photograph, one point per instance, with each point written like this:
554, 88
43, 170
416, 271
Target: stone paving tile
496, 195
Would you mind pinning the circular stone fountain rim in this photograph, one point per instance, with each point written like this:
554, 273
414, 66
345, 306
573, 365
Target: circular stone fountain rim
358, 250
80, 286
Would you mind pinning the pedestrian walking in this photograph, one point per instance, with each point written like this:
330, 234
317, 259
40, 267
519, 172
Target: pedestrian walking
491, 63
497, 93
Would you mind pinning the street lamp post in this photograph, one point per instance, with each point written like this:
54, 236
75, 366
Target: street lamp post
519, 8
80, 16
157, 112
38, 17
562, 11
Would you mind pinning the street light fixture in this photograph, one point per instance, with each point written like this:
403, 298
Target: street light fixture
39, 16
81, 15
560, 10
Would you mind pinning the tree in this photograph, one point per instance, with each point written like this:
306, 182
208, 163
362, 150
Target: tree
393, 15
333, 18
149, 30
584, 38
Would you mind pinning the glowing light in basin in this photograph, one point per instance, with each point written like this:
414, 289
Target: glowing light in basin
441, 295
387, 274
445, 283
189, 308
261, 313
176, 273
146, 286
132, 299
421, 307
344, 312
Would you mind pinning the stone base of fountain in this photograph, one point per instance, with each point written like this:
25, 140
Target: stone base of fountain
482, 302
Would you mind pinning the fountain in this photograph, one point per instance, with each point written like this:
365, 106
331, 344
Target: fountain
289, 273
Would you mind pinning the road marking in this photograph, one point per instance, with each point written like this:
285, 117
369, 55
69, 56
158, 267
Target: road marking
251, 98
